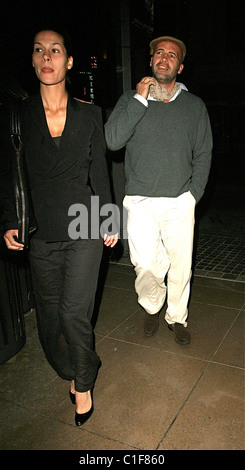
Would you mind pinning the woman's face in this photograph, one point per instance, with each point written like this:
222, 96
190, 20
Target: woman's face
49, 58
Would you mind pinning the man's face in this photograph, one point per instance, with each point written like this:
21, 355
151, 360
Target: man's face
166, 62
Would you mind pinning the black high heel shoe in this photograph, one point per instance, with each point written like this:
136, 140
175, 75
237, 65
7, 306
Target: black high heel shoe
72, 397
81, 418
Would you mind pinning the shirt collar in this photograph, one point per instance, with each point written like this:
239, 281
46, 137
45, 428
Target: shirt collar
181, 87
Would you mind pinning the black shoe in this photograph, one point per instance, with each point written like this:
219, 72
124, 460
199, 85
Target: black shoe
151, 324
81, 418
182, 335
72, 397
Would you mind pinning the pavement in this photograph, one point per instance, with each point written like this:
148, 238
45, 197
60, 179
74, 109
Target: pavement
151, 393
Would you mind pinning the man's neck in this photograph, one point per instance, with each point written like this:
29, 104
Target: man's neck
160, 93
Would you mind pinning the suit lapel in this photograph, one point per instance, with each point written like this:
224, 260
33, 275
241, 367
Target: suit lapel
39, 118
75, 116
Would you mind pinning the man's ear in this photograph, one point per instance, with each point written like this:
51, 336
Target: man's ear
181, 68
151, 62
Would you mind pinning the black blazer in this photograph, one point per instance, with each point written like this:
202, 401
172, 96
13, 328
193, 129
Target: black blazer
63, 175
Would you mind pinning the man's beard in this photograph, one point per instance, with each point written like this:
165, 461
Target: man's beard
168, 78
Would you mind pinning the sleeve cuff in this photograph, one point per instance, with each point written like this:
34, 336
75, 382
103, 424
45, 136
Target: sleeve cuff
141, 99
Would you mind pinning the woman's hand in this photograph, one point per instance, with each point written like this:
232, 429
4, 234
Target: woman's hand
10, 238
110, 240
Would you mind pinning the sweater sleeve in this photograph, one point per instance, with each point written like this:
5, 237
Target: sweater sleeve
202, 155
123, 121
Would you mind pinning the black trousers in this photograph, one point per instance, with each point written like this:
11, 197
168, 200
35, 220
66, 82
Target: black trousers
65, 276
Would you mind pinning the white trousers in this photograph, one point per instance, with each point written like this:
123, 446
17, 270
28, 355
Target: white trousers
160, 237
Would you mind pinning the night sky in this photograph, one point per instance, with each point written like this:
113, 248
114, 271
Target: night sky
214, 33
19, 20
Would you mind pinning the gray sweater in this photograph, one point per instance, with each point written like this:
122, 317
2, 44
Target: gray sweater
168, 145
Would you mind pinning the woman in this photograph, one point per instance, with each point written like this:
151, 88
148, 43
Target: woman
64, 152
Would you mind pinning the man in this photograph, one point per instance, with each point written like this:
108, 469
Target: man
168, 141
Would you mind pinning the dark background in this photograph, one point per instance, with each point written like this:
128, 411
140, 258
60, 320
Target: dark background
117, 33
